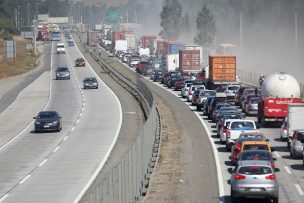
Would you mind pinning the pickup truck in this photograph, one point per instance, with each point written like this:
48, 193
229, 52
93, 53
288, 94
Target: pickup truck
235, 128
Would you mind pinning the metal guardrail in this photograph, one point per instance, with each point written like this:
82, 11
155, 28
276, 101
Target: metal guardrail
129, 180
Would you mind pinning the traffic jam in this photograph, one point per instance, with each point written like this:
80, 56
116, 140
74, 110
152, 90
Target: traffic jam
252, 127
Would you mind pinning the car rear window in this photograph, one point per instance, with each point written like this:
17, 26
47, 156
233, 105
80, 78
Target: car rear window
242, 125
255, 170
255, 156
255, 147
233, 88
255, 101
188, 84
60, 46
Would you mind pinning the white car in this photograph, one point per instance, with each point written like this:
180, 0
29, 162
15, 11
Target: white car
60, 48
185, 89
231, 91
134, 62
283, 131
235, 128
192, 89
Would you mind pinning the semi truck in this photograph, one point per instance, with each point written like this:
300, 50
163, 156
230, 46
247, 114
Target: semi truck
222, 71
278, 90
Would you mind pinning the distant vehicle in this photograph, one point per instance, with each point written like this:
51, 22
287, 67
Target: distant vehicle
48, 121
251, 105
231, 91
254, 179
223, 123
60, 48
90, 82
56, 35
185, 89
202, 98
71, 43
283, 131
62, 73
157, 76
294, 119
80, 62
296, 146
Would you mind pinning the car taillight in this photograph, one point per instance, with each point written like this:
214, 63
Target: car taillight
272, 164
285, 128
224, 130
228, 134
239, 177
271, 177
238, 146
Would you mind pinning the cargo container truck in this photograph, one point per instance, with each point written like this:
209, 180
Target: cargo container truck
222, 70
295, 119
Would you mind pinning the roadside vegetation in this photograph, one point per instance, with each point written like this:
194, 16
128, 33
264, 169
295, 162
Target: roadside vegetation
24, 62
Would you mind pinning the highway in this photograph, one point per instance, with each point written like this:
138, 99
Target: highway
290, 172
55, 167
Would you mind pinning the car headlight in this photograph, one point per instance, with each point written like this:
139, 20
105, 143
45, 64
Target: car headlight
37, 123
55, 122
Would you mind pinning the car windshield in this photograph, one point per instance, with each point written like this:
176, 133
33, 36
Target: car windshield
62, 69
233, 88
255, 170
80, 59
90, 80
250, 91
255, 101
47, 115
208, 93
255, 155
255, 147
242, 125
60, 46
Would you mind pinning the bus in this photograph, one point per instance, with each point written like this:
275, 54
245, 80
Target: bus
56, 35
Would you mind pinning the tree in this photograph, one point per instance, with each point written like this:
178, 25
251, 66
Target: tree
205, 25
171, 17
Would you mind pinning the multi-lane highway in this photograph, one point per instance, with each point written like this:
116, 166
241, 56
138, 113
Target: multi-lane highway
56, 167
290, 172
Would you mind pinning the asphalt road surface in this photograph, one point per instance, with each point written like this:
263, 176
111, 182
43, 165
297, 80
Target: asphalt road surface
55, 167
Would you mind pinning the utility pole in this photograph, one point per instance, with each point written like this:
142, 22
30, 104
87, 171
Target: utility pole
296, 37
16, 18
28, 14
241, 32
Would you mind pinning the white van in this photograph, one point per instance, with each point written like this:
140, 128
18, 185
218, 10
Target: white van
60, 48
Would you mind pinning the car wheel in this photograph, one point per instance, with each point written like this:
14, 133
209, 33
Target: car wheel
228, 149
198, 108
291, 154
275, 200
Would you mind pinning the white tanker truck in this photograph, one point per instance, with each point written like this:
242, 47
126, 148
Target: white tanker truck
278, 90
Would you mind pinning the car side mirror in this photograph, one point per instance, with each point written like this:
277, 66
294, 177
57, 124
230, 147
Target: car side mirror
267, 140
290, 137
275, 159
34, 117
60, 116
225, 127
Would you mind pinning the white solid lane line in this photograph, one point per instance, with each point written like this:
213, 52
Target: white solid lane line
65, 138
4, 197
73, 129
300, 191
24, 179
287, 169
56, 149
43, 162
277, 154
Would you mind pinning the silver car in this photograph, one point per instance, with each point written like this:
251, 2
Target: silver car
251, 108
296, 146
231, 90
62, 73
254, 179
186, 88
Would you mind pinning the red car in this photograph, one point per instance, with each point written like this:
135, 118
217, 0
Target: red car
80, 62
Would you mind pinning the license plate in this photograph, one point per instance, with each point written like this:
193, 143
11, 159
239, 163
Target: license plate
46, 126
255, 189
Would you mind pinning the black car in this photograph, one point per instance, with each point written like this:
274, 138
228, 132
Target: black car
90, 82
62, 73
48, 121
